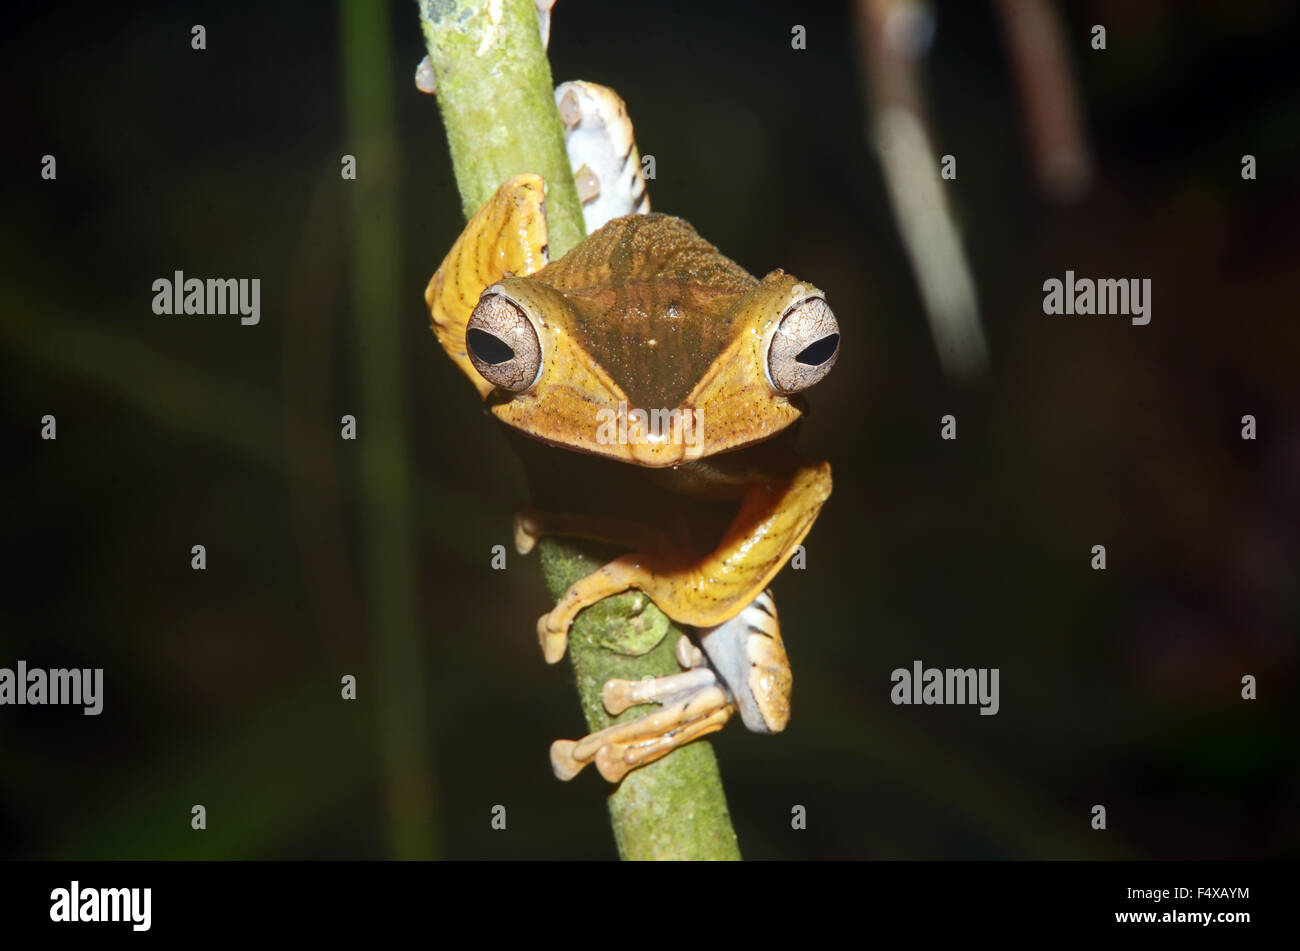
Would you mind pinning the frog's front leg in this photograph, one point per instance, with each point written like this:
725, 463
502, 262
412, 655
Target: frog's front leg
702, 592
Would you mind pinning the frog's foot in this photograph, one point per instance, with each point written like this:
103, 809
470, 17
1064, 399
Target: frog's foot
693, 704
602, 153
616, 760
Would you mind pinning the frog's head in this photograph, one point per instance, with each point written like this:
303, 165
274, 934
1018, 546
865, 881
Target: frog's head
645, 344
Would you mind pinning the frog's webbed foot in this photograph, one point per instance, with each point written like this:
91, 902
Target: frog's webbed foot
693, 704
602, 153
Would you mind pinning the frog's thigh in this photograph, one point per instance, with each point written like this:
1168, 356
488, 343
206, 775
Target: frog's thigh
708, 591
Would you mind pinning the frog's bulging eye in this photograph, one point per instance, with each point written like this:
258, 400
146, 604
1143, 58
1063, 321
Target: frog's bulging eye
502, 343
804, 346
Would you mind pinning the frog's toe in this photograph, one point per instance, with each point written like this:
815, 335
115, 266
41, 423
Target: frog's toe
425, 79
692, 709
544, 20
588, 184
616, 760
688, 655
563, 763
618, 695
553, 642
527, 530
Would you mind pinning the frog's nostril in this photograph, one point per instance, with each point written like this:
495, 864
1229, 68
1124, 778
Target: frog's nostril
815, 354
489, 348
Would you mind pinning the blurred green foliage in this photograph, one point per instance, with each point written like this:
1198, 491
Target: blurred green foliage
222, 686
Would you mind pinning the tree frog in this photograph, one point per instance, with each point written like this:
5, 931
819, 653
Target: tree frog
644, 351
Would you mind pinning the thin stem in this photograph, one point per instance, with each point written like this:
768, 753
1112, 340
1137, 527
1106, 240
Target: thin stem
495, 95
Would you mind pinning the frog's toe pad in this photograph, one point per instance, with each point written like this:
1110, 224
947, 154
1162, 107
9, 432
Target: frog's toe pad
527, 531
688, 655
563, 763
553, 642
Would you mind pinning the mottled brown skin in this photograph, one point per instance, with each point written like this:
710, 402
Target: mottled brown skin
647, 278
646, 313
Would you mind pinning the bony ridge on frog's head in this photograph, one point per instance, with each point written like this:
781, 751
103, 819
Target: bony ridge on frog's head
645, 344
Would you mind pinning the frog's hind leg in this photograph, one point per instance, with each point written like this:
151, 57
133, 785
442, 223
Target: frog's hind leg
704, 592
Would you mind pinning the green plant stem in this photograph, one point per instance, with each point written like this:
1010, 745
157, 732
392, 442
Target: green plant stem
495, 93
497, 102
373, 258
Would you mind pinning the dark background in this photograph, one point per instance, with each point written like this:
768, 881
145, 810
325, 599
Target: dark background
1119, 687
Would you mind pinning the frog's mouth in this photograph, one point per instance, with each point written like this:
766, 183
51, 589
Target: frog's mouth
654, 438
